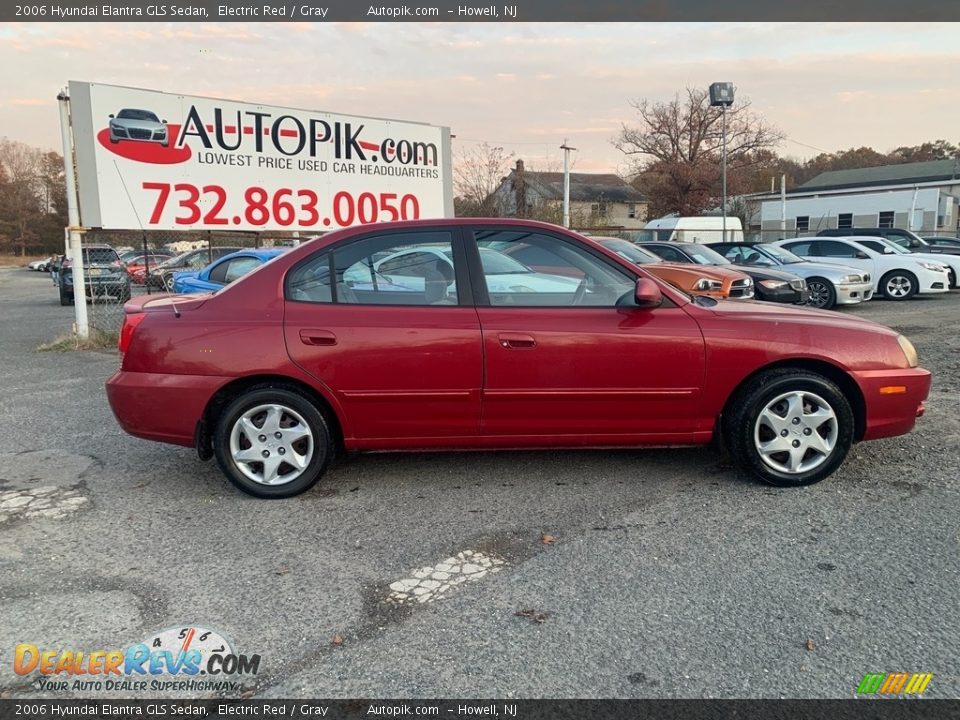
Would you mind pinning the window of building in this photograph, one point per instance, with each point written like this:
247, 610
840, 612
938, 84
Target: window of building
886, 219
632, 211
803, 223
845, 221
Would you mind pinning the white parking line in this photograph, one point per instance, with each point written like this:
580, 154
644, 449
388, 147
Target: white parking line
431, 582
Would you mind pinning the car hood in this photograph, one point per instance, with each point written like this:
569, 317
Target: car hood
776, 313
711, 272
831, 272
186, 274
764, 273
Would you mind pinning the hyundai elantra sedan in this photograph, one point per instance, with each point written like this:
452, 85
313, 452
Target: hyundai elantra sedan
317, 353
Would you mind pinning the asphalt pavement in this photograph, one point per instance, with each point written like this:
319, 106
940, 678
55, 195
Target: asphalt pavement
656, 573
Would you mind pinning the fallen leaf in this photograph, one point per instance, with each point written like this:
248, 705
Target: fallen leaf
547, 539
337, 640
282, 570
809, 645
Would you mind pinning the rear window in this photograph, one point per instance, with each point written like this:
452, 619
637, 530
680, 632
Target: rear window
99, 256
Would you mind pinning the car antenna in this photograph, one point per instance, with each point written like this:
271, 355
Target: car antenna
176, 310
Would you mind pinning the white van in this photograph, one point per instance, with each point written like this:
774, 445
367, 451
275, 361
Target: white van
695, 229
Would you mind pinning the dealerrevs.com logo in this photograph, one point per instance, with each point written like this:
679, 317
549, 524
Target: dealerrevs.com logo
189, 658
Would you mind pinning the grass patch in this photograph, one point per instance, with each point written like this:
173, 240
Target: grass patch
98, 340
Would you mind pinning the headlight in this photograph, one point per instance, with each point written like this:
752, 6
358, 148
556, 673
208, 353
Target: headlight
909, 351
936, 267
850, 279
705, 284
774, 284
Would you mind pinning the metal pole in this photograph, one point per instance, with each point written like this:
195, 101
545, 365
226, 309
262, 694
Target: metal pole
73, 219
723, 115
783, 206
566, 182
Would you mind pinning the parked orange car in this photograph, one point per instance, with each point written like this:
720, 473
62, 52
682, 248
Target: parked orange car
716, 282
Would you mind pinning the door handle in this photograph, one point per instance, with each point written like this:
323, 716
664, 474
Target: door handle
317, 337
514, 341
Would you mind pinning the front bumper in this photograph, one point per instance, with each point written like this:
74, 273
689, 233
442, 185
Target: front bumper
784, 294
853, 293
893, 398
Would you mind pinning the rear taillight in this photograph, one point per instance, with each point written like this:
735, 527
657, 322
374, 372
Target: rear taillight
130, 323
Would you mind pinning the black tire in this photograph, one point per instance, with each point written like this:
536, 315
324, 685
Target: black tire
744, 430
824, 292
902, 279
952, 278
125, 296
291, 399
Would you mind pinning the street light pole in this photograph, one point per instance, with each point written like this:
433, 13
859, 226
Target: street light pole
566, 182
721, 95
723, 207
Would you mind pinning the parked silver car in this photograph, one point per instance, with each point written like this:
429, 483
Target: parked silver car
828, 285
141, 125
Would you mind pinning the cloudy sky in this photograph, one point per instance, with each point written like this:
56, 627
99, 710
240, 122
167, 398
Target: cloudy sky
523, 86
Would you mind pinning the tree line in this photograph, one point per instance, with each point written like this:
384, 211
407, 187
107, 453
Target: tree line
33, 199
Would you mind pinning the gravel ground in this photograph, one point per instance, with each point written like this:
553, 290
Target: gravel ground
635, 573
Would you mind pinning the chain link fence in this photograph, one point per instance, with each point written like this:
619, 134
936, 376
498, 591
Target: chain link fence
150, 260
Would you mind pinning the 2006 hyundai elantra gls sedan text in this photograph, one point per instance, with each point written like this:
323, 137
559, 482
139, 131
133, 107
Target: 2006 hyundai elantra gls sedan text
318, 352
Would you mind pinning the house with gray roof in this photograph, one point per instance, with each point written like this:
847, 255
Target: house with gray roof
923, 197
598, 201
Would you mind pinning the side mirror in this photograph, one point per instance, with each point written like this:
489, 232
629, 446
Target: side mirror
111, 117
164, 122
647, 293
861, 256
888, 251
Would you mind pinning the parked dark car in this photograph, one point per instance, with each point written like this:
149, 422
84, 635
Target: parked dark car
161, 276
904, 238
314, 354
768, 284
952, 243
104, 272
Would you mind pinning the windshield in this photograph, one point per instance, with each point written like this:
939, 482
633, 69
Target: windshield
137, 115
705, 256
175, 261
495, 263
779, 253
99, 256
629, 251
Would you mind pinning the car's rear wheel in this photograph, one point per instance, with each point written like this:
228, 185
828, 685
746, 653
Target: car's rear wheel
790, 427
898, 285
822, 293
272, 442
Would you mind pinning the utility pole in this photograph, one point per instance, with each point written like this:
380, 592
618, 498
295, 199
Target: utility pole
566, 182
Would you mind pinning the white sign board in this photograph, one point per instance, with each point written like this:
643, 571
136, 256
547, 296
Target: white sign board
158, 161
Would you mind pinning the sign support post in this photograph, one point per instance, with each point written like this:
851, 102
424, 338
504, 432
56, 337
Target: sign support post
73, 218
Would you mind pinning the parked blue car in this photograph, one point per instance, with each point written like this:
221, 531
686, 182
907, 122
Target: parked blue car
223, 271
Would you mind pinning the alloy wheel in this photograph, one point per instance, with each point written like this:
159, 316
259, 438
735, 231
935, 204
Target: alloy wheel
271, 444
796, 432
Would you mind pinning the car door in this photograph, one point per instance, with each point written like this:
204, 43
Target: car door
402, 361
565, 360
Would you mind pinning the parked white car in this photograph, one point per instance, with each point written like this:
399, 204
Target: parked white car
888, 247
896, 277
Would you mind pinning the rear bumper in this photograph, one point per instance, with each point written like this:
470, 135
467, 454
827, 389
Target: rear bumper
161, 407
894, 399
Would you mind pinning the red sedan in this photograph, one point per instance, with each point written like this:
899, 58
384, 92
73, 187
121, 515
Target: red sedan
413, 336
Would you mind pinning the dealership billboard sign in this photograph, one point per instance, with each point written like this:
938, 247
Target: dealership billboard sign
159, 161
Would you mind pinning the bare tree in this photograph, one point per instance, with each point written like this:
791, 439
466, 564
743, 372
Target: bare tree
675, 151
32, 197
476, 175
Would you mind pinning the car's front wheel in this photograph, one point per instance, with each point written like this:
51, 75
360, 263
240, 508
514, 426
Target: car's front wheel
898, 285
272, 442
822, 293
789, 427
